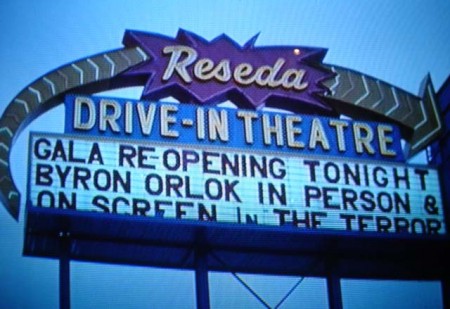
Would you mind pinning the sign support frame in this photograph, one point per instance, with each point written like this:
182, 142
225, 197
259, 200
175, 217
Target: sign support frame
333, 281
64, 272
445, 288
201, 279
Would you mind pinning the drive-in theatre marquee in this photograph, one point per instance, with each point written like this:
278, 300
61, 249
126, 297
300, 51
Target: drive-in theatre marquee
150, 174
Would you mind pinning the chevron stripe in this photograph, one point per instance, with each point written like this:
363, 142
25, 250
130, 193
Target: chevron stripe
422, 108
3, 162
126, 57
66, 80
51, 84
410, 107
4, 146
23, 103
96, 67
367, 92
13, 194
336, 81
142, 53
352, 85
37, 93
397, 104
7, 130
79, 71
377, 103
438, 127
113, 65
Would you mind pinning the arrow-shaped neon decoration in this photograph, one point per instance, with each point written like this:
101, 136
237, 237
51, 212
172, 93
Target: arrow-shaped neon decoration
361, 96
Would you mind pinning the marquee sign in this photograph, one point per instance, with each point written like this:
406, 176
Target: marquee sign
217, 185
184, 162
194, 70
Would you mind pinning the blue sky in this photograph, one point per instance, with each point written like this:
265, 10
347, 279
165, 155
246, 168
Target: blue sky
397, 41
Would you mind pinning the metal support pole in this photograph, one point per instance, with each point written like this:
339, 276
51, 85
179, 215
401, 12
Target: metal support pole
201, 279
333, 286
64, 274
445, 286
334, 292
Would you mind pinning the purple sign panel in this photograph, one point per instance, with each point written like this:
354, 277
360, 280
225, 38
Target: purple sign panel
195, 70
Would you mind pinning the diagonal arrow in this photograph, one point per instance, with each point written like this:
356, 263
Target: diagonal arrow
356, 94
431, 126
90, 75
